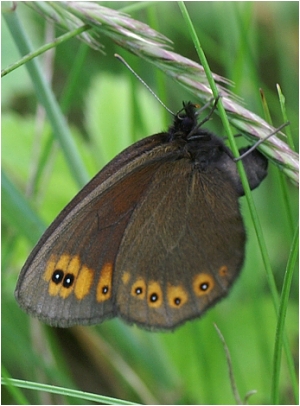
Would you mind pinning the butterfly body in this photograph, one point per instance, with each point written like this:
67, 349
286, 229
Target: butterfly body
155, 238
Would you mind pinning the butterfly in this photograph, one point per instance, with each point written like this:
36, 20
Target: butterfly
155, 238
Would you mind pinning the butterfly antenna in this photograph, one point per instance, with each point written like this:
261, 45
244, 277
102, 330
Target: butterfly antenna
143, 82
261, 141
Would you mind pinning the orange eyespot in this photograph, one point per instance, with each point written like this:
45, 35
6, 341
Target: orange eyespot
177, 296
203, 283
138, 289
154, 294
223, 271
104, 286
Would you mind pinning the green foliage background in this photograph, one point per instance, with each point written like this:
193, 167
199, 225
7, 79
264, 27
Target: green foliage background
254, 44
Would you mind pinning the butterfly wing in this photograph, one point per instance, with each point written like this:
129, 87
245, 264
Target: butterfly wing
182, 249
67, 278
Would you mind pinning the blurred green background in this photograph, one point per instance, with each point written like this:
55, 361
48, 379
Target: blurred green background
254, 44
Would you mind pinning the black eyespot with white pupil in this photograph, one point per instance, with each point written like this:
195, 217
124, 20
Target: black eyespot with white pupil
138, 291
204, 286
153, 297
105, 290
68, 280
57, 276
177, 301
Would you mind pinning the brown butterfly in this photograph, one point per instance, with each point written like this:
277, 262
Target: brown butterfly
156, 237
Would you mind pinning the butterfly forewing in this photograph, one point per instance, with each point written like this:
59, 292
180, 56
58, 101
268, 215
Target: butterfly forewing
76, 260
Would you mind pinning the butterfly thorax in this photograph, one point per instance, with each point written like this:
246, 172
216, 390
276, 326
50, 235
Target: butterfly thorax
199, 145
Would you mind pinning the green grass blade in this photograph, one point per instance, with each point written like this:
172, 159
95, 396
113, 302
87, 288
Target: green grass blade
47, 99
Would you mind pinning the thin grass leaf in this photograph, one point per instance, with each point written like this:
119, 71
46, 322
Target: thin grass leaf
17, 212
66, 392
280, 335
43, 49
16, 393
284, 116
47, 99
230, 368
